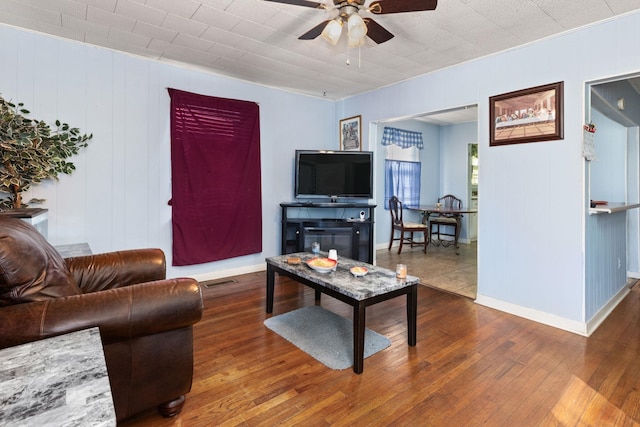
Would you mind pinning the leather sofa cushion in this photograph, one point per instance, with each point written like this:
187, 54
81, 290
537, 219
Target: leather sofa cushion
30, 268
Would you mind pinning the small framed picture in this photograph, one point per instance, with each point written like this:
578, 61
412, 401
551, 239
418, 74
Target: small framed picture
351, 134
527, 115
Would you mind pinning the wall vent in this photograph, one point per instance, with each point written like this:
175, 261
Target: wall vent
211, 283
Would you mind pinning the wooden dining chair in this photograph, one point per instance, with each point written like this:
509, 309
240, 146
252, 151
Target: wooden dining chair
398, 224
447, 219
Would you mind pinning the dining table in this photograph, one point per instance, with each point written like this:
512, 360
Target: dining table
428, 210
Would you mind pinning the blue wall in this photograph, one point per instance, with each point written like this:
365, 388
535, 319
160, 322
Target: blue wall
444, 167
532, 222
531, 225
430, 172
606, 234
454, 166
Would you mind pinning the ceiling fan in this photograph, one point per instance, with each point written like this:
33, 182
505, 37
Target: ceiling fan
358, 27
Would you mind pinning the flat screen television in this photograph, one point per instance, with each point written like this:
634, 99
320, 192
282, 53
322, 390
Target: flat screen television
333, 174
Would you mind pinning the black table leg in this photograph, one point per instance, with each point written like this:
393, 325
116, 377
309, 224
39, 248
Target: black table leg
270, 285
358, 337
425, 221
412, 314
458, 227
359, 309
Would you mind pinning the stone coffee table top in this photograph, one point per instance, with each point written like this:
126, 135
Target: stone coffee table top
56, 381
377, 281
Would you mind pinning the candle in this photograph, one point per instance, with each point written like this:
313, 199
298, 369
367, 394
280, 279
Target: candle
401, 271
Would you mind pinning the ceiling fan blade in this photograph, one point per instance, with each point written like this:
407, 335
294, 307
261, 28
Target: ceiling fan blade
399, 6
377, 32
315, 31
304, 3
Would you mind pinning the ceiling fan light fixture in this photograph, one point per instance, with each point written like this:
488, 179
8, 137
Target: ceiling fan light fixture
355, 42
357, 27
332, 31
357, 30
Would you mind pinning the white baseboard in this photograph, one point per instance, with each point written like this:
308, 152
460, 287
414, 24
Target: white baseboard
633, 274
606, 310
229, 272
576, 327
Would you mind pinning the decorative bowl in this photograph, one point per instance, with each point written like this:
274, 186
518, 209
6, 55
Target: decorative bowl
322, 265
359, 271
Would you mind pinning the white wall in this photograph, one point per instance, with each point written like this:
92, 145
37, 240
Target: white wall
531, 224
117, 198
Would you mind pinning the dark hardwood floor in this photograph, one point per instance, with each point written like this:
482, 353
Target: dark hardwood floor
472, 365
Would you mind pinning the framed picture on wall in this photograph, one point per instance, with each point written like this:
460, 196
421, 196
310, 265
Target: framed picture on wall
351, 134
528, 115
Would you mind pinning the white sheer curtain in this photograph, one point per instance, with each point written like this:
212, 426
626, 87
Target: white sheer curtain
402, 166
402, 179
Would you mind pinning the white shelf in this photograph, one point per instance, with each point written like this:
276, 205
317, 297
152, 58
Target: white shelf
613, 208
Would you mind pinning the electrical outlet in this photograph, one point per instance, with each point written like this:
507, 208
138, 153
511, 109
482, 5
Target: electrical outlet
619, 263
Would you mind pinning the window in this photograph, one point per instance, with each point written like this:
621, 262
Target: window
215, 174
402, 166
402, 179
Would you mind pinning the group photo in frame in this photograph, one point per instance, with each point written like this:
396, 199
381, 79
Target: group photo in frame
527, 115
351, 134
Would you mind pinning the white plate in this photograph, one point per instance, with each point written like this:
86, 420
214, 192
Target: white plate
322, 265
359, 271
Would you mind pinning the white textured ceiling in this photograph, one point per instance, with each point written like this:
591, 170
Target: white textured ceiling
257, 41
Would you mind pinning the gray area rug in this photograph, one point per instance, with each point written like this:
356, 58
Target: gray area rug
324, 335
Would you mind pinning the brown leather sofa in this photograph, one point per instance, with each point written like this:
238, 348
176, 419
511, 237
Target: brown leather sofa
145, 321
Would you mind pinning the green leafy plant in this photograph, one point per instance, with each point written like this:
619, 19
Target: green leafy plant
32, 151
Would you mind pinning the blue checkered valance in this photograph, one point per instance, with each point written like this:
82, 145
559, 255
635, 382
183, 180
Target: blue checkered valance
402, 138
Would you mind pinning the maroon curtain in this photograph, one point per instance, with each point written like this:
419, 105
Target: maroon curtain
215, 172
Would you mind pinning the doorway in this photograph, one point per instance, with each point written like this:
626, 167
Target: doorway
445, 164
612, 179
472, 221
613, 174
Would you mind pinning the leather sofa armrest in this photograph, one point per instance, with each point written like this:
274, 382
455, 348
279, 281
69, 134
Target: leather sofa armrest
116, 269
121, 314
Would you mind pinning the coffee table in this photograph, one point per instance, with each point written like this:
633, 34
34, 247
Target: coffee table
60, 380
380, 284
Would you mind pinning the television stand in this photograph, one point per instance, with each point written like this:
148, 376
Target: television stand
304, 223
